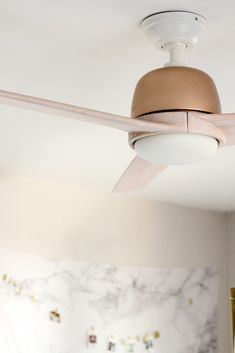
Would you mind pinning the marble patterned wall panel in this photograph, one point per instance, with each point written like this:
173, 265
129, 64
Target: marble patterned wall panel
49, 306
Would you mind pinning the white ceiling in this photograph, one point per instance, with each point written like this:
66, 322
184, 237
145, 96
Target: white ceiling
91, 53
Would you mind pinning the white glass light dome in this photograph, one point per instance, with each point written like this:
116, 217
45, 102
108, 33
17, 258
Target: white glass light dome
177, 148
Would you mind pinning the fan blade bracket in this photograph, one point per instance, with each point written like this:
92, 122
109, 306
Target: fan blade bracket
166, 122
198, 124
172, 121
226, 124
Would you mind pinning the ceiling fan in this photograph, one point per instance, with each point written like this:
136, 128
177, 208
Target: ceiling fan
176, 114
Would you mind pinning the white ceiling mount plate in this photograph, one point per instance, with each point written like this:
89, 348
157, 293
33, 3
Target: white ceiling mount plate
182, 27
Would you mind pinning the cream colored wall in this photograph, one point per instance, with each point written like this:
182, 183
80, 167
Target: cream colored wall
58, 220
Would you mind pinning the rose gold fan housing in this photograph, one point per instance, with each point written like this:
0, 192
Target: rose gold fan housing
173, 89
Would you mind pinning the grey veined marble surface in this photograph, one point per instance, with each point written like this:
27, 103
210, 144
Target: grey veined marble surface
48, 306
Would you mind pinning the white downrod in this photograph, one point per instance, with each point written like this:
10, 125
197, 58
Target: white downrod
175, 50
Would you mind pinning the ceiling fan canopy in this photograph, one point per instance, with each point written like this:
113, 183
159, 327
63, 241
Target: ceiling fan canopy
175, 88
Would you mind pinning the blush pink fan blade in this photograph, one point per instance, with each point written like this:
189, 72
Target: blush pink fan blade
80, 113
138, 174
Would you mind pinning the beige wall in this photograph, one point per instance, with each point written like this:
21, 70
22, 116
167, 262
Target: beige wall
58, 220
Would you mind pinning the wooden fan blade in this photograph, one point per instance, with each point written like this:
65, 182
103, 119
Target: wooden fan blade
224, 123
138, 174
221, 119
82, 114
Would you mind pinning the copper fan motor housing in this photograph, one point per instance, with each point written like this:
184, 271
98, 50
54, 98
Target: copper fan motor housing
173, 88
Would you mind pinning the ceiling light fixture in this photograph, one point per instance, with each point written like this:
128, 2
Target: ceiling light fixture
177, 148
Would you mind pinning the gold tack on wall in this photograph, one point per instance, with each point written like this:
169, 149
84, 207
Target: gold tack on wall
156, 335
